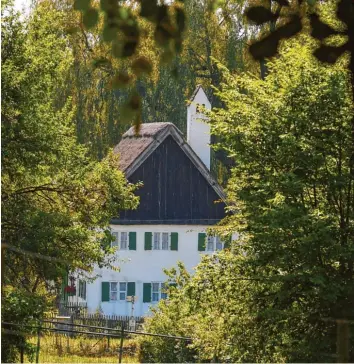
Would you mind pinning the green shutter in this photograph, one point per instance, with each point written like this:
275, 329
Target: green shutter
132, 241
148, 241
201, 242
131, 289
64, 283
174, 241
105, 291
147, 292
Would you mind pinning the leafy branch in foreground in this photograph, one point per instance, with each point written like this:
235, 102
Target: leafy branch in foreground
293, 16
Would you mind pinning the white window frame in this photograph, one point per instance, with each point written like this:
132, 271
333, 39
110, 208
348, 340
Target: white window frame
123, 291
82, 289
214, 240
118, 241
159, 293
159, 245
113, 291
118, 291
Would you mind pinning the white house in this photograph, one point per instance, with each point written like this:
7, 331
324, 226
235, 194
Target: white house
179, 201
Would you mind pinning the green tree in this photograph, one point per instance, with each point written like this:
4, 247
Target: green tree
56, 201
291, 189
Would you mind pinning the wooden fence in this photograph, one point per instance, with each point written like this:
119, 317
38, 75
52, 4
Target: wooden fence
110, 321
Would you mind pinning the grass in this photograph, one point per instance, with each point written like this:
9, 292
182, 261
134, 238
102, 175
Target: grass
79, 349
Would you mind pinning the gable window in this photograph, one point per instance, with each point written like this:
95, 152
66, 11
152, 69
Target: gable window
82, 289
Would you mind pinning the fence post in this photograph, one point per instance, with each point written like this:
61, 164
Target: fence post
38, 343
121, 344
342, 341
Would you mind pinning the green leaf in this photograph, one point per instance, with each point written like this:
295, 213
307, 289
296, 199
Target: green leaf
122, 79
180, 19
141, 65
82, 5
90, 18
109, 33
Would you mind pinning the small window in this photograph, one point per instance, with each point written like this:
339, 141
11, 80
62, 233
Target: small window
161, 241
214, 243
122, 291
113, 291
120, 240
123, 241
164, 241
115, 241
155, 292
218, 243
156, 241
163, 291
210, 244
158, 291
82, 289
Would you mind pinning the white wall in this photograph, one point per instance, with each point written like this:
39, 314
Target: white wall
198, 131
145, 266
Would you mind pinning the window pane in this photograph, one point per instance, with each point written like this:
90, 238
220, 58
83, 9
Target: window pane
155, 287
163, 291
155, 297
113, 296
114, 286
219, 244
123, 286
115, 241
164, 241
123, 240
122, 296
210, 245
156, 241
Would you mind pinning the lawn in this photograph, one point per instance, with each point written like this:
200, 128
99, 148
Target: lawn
64, 349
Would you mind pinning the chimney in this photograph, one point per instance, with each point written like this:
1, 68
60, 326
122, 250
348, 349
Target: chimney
198, 131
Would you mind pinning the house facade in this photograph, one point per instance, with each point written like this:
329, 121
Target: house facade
179, 201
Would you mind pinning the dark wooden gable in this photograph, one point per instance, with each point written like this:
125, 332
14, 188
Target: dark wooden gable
174, 191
